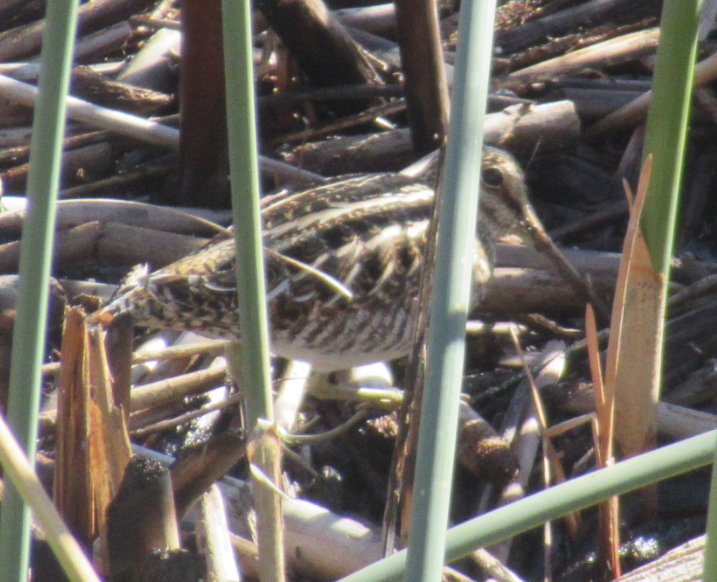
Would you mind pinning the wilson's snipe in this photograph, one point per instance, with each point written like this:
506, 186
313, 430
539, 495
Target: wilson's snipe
343, 263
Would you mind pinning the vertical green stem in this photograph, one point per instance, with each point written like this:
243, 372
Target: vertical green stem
457, 221
236, 18
239, 76
667, 124
35, 260
638, 378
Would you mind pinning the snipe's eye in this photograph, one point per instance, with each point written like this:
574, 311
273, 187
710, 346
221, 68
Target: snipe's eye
493, 177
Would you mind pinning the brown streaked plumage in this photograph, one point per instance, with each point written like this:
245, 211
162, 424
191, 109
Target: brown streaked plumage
363, 240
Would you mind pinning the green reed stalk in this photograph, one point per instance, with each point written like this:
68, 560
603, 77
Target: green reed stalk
556, 502
255, 365
35, 260
449, 303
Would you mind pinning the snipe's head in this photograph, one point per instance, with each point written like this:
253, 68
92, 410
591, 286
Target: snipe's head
505, 209
504, 205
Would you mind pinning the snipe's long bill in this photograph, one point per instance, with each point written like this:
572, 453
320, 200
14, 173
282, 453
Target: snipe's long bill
343, 263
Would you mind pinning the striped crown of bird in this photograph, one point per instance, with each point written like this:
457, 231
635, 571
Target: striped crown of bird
343, 263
